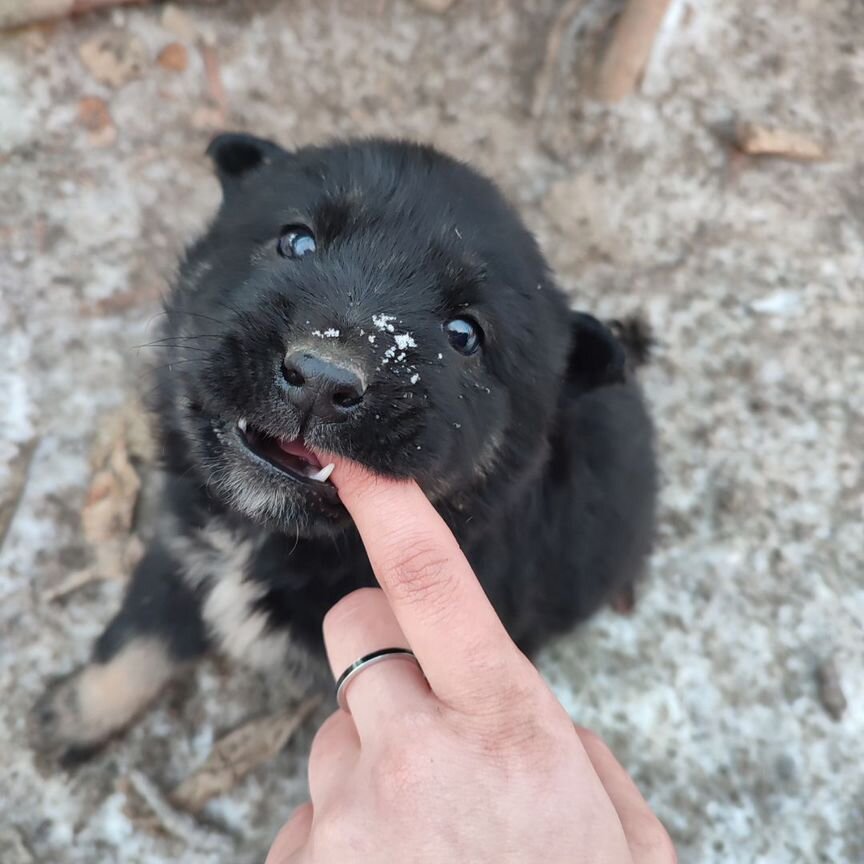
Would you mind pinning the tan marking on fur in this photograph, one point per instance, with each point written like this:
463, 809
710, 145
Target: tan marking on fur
111, 694
102, 698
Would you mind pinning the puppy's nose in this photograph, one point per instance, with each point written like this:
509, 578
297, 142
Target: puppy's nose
321, 387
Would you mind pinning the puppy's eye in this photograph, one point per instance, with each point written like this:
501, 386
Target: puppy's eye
296, 241
464, 334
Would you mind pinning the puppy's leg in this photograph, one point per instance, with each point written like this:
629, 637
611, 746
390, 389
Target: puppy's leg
157, 631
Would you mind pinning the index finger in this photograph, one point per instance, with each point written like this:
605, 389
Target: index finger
442, 609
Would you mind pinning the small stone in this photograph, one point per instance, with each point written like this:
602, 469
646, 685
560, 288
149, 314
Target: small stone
179, 23
93, 113
173, 57
624, 602
830, 690
94, 116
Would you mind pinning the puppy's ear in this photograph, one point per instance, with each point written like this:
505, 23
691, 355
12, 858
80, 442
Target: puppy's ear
237, 155
597, 357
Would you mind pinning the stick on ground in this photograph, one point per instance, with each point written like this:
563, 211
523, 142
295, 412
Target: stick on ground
629, 49
20, 13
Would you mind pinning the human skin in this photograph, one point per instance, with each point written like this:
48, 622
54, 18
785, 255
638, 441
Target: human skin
475, 762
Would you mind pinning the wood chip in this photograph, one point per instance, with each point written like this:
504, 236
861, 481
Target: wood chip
756, 140
107, 517
629, 49
113, 58
238, 753
213, 76
118, 564
179, 23
20, 14
830, 689
173, 57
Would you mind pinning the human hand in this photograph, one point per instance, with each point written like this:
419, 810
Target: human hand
477, 762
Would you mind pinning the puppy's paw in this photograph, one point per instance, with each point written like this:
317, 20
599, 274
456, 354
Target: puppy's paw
79, 713
57, 729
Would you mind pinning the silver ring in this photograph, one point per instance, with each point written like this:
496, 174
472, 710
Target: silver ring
364, 663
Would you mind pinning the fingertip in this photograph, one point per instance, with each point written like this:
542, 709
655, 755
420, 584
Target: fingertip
348, 475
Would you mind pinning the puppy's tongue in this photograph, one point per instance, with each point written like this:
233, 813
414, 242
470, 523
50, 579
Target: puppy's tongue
312, 464
295, 447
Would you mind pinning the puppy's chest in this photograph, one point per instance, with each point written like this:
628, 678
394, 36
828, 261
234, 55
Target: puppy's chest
264, 596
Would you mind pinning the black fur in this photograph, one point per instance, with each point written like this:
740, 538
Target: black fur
559, 513
537, 450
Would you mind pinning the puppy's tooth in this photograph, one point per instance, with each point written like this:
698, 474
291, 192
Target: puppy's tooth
242, 424
323, 474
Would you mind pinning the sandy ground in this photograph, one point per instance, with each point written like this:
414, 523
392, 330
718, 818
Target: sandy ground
749, 270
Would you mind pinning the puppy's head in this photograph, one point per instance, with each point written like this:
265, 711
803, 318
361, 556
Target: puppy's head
373, 299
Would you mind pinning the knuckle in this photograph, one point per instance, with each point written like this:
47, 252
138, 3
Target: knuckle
325, 734
349, 608
504, 695
337, 828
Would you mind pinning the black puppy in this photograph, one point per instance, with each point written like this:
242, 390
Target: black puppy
381, 301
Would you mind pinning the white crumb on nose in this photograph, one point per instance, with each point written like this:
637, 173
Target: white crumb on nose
440, 356
415, 378
404, 340
371, 338
401, 357
382, 322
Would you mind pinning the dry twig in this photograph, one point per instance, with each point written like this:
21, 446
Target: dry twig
549, 70
629, 49
20, 13
755, 140
172, 821
238, 753
109, 510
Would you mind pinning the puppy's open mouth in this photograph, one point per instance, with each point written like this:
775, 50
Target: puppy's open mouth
290, 456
